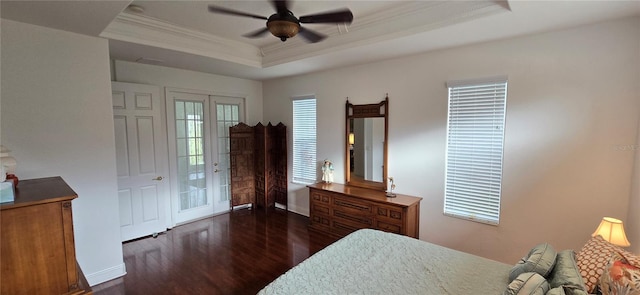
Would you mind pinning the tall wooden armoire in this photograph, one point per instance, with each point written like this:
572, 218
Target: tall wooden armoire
258, 165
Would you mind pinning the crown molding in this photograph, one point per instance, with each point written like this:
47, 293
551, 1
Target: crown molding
405, 19
149, 31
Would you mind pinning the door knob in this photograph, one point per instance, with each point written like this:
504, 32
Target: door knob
216, 171
158, 178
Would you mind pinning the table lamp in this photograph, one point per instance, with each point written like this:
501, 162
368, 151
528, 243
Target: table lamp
612, 231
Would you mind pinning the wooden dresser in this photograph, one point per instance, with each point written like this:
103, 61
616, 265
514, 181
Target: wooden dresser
36, 241
339, 210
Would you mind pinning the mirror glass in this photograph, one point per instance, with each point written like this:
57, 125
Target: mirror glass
367, 149
366, 145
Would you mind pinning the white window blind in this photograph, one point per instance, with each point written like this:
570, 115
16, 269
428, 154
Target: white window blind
304, 140
475, 137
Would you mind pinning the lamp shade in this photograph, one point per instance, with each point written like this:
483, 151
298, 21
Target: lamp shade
612, 230
352, 139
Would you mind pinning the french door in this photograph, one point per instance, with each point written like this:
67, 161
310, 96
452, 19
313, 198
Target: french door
198, 128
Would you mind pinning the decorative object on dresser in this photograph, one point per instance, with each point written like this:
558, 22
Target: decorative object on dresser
339, 210
392, 186
8, 166
327, 171
37, 243
258, 165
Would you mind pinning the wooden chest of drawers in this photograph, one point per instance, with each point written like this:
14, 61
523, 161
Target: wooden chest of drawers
37, 247
339, 210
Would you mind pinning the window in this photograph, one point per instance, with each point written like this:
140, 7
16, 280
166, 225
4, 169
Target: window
304, 140
475, 137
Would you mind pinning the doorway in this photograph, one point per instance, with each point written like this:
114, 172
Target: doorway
198, 135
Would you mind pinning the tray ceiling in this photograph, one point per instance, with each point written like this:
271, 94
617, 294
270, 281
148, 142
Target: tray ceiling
183, 34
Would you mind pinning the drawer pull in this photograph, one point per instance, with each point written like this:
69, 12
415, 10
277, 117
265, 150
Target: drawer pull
351, 205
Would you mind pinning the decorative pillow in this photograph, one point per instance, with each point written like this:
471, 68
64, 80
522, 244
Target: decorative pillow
566, 274
540, 260
594, 256
631, 258
620, 277
528, 283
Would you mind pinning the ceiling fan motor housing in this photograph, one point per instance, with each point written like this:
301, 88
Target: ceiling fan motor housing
283, 26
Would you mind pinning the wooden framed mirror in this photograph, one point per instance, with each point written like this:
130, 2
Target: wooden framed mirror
366, 144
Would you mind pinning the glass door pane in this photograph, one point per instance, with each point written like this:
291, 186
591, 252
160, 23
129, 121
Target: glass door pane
190, 139
227, 116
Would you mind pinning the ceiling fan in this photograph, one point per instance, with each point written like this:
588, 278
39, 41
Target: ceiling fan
283, 24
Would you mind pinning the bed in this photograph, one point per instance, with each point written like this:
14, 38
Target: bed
375, 262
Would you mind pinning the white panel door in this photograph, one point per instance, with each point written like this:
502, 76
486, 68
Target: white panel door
141, 160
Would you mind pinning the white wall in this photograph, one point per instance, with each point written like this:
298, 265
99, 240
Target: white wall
57, 120
124, 71
572, 98
632, 224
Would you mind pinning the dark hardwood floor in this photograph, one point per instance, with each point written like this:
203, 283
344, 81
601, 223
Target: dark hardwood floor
234, 253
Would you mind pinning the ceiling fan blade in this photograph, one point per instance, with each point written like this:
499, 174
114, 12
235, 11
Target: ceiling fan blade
310, 35
216, 9
281, 6
338, 16
257, 33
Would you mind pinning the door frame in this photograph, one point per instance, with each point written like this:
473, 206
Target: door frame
171, 149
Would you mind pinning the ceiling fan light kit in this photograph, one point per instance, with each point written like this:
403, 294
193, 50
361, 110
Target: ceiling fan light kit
283, 29
284, 25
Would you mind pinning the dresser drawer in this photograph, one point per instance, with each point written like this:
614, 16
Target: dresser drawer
389, 214
362, 220
319, 209
343, 228
320, 198
388, 227
351, 206
320, 220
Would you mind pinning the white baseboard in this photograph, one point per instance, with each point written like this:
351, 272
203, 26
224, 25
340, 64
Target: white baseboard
106, 274
298, 211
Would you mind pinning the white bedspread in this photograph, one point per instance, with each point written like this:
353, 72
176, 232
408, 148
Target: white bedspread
375, 262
